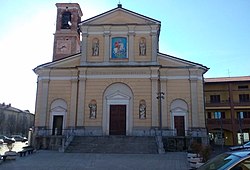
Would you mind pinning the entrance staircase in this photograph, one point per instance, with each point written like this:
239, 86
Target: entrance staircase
113, 144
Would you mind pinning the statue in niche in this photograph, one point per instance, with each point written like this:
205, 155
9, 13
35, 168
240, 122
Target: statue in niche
95, 48
142, 110
93, 109
142, 47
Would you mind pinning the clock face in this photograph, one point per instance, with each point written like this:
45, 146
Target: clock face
63, 47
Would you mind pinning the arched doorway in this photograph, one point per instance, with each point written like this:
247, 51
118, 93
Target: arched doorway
117, 110
58, 116
179, 110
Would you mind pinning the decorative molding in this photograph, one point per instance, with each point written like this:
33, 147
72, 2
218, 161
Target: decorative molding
126, 74
57, 78
182, 77
118, 96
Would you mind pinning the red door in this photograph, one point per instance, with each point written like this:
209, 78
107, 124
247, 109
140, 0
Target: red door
117, 123
179, 125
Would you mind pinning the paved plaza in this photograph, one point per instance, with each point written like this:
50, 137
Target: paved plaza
52, 160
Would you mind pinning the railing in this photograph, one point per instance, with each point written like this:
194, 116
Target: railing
49, 132
219, 121
239, 103
65, 136
245, 121
185, 133
220, 103
226, 103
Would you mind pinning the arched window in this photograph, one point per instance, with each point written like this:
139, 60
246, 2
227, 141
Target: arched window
66, 20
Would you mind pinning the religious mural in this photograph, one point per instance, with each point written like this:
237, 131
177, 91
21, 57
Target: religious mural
119, 48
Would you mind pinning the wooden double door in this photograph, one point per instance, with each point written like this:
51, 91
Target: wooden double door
117, 122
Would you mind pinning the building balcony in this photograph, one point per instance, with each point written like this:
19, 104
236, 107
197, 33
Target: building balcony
244, 122
218, 121
238, 103
227, 123
223, 103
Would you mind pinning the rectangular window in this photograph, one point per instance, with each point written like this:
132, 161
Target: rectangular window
243, 87
219, 115
223, 115
240, 115
209, 115
244, 97
243, 115
215, 98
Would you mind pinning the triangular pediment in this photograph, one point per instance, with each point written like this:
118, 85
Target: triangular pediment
171, 61
178, 110
119, 16
68, 62
118, 96
58, 109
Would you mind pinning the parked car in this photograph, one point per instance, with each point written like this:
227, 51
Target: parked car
19, 138
6, 139
236, 160
239, 147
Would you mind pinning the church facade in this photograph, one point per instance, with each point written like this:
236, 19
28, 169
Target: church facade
108, 77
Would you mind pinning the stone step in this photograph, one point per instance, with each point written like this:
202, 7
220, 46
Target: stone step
113, 144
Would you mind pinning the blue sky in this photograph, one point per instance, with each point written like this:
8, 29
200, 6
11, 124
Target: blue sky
215, 33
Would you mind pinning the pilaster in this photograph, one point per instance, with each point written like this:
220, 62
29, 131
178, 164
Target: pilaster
164, 103
81, 99
106, 35
44, 103
131, 35
194, 102
84, 48
155, 108
154, 38
73, 103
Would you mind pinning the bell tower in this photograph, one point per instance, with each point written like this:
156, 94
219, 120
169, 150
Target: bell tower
67, 35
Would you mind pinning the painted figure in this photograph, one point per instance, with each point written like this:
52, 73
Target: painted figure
119, 49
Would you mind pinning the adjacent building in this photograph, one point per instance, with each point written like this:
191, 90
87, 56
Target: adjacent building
15, 121
115, 81
228, 109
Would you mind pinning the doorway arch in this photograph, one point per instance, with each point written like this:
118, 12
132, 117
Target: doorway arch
58, 110
179, 117
114, 95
